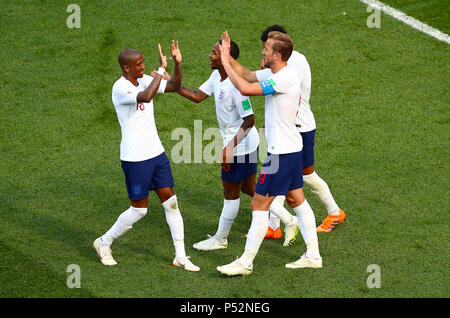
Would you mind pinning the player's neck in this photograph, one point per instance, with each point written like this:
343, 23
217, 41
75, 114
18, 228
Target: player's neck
276, 67
223, 74
131, 79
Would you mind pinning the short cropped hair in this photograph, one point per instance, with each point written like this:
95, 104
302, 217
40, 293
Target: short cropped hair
125, 55
282, 44
234, 49
274, 27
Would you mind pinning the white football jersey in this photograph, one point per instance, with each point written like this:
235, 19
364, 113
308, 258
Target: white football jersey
231, 108
305, 117
280, 111
140, 140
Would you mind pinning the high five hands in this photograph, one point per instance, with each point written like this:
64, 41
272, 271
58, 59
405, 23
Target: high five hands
162, 58
175, 52
176, 56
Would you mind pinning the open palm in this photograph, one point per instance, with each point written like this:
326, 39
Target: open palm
176, 53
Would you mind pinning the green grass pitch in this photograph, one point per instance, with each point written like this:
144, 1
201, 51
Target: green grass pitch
381, 102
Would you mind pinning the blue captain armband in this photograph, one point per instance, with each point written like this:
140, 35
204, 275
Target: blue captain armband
267, 87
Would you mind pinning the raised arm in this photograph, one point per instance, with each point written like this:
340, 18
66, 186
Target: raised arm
194, 95
242, 71
147, 94
245, 87
174, 83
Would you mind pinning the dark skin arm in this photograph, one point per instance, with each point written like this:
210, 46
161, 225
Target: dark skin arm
227, 153
174, 83
194, 95
147, 94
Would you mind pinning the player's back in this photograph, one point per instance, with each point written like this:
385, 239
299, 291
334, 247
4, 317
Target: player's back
305, 117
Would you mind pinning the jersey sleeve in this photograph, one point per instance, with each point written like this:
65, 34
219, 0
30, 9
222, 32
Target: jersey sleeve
264, 79
243, 105
208, 86
278, 83
124, 96
263, 75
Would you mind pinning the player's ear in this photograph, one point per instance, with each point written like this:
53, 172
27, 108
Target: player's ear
126, 68
277, 56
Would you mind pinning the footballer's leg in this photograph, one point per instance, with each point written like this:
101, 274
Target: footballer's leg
248, 186
137, 178
260, 219
318, 186
290, 221
175, 221
123, 224
230, 209
162, 182
307, 224
276, 212
235, 176
270, 181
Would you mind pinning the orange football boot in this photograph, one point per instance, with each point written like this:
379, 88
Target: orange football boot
271, 234
331, 221
275, 235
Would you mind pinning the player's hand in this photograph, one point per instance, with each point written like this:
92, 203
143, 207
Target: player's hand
227, 155
226, 39
176, 53
166, 75
225, 47
162, 58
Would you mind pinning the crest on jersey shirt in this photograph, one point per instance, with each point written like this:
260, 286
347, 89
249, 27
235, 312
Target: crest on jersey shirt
221, 95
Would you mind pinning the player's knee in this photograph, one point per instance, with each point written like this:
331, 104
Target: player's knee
171, 204
280, 199
231, 190
248, 190
141, 212
260, 205
290, 201
314, 182
142, 203
295, 200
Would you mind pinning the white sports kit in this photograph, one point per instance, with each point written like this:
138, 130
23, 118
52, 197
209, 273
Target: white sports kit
231, 108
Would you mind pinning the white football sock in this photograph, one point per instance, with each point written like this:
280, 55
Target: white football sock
175, 222
274, 221
321, 189
229, 212
307, 224
277, 209
256, 233
124, 223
